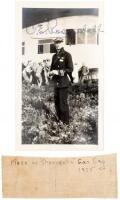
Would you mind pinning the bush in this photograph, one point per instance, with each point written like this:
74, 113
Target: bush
40, 124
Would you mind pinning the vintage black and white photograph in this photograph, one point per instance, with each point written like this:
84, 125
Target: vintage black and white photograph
61, 63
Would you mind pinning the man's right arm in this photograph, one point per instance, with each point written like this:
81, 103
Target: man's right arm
52, 71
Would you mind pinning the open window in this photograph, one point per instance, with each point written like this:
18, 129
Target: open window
40, 49
70, 37
52, 48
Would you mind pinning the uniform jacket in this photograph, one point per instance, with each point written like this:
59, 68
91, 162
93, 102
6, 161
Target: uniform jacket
62, 61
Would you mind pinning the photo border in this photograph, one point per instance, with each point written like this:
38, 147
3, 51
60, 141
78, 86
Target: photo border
18, 85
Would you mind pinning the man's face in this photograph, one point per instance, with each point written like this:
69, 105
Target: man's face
59, 45
47, 62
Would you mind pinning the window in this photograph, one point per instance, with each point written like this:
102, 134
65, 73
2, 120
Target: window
43, 48
81, 36
40, 49
52, 48
46, 48
23, 48
70, 36
91, 36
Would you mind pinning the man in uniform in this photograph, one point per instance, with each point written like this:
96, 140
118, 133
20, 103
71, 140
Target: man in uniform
61, 72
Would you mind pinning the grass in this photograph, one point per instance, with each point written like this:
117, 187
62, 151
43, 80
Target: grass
39, 124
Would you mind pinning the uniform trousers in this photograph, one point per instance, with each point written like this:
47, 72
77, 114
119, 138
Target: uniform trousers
61, 104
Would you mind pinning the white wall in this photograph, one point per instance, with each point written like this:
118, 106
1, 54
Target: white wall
91, 54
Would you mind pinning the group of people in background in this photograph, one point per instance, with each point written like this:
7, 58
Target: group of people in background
38, 73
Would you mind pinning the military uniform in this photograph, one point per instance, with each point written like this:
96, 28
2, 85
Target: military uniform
62, 62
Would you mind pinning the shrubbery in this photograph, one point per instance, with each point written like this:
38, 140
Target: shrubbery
40, 124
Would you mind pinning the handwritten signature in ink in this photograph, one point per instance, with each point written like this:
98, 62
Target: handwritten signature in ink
50, 27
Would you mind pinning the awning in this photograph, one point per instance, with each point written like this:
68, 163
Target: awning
32, 16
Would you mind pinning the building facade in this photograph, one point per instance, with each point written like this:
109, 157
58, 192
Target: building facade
83, 38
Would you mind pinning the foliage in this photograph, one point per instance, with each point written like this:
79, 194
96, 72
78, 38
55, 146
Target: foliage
39, 121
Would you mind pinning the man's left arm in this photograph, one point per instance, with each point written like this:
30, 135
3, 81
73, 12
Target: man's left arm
69, 63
